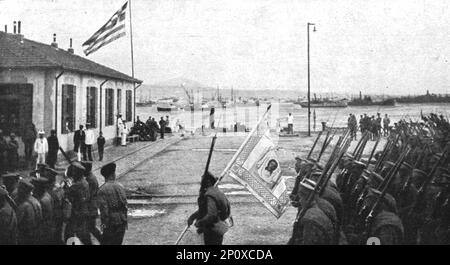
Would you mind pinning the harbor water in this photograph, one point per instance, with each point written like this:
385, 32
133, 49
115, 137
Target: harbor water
249, 115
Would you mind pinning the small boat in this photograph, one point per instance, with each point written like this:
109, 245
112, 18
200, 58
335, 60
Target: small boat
165, 106
324, 103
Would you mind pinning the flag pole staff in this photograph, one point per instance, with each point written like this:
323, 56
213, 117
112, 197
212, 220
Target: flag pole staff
132, 64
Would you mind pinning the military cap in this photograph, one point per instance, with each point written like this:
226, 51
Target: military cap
442, 180
25, 186
406, 166
299, 158
11, 176
87, 165
389, 164
108, 169
388, 199
358, 164
419, 173
50, 174
308, 184
39, 182
75, 169
376, 177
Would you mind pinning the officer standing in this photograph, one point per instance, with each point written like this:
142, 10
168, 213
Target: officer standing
8, 220
53, 148
78, 195
214, 209
92, 206
112, 202
29, 215
48, 223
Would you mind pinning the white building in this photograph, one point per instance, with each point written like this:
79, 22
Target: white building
57, 89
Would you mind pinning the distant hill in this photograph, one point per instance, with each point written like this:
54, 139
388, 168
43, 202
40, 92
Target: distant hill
177, 82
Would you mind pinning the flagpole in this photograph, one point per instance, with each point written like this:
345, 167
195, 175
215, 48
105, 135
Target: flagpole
132, 64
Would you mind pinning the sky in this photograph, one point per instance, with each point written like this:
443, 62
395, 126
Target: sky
377, 47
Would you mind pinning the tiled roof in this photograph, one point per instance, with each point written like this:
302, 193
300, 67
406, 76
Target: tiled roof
32, 54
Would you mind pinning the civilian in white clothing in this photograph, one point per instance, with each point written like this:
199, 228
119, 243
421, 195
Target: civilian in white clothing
89, 141
41, 148
290, 124
124, 135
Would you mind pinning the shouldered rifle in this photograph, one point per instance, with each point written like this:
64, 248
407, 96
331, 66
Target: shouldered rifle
211, 150
383, 189
359, 143
421, 192
324, 145
373, 152
314, 145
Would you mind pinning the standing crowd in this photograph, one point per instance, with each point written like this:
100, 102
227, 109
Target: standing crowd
47, 209
375, 126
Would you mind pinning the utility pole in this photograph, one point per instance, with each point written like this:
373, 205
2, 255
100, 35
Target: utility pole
309, 85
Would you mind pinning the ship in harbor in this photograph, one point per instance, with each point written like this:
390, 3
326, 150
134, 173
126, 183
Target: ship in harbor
324, 103
427, 98
367, 101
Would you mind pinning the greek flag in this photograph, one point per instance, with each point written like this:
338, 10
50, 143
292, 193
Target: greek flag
111, 31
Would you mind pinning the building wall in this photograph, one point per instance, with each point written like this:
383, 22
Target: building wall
43, 82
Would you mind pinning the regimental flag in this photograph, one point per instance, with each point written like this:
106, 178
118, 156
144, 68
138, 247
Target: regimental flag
256, 166
111, 31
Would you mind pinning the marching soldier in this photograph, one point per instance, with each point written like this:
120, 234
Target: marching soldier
29, 215
112, 202
11, 180
315, 227
78, 195
8, 220
214, 209
92, 208
48, 222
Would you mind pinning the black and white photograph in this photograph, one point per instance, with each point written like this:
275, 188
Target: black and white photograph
224, 122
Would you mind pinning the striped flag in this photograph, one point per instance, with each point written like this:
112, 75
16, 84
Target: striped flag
256, 166
111, 31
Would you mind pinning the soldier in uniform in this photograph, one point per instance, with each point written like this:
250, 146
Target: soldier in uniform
29, 215
8, 220
11, 180
213, 210
314, 228
48, 224
112, 202
92, 208
3, 149
60, 205
78, 195
386, 225
13, 153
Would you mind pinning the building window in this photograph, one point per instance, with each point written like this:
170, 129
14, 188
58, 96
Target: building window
68, 108
119, 101
91, 107
109, 107
129, 101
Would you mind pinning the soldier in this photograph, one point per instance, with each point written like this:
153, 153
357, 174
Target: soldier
48, 224
13, 153
314, 228
8, 220
53, 148
386, 122
386, 225
28, 138
60, 205
29, 215
112, 202
11, 180
92, 208
214, 209
78, 195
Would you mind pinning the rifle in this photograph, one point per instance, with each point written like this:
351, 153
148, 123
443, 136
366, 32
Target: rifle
423, 187
370, 216
324, 145
359, 143
314, 145
373, 151
318, 187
